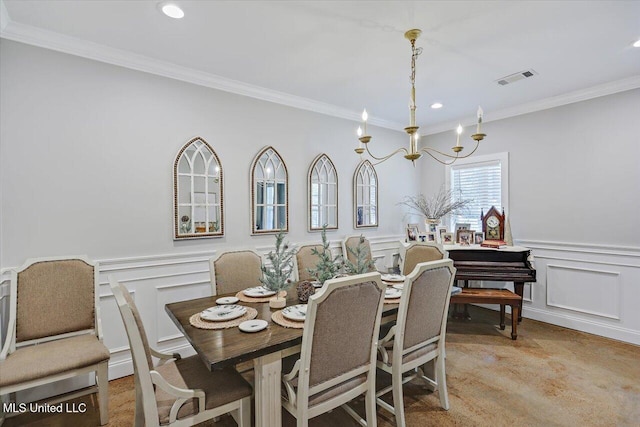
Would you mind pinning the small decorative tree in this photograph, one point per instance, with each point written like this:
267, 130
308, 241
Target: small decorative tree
363, 264
327, 266
276, 276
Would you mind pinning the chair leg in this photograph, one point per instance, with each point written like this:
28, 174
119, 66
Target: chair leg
139, 410
398, 400
441, 379
370, 405
244, 413
102, 378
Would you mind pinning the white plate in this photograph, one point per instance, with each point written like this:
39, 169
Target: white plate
392, 277
258, 291
227, 300
221, 313
295, 312
316, 284
392, 293
399, 286
254, 325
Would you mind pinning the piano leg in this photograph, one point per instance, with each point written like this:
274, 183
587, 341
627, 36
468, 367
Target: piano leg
519, 288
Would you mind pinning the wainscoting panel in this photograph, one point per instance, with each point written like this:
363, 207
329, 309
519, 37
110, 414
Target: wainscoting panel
584, 290
590, 288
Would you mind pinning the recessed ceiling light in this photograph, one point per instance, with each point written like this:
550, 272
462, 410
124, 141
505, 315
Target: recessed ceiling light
436, 105
172, 10
636, 44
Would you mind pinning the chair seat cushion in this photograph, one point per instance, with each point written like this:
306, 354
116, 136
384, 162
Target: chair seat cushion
220, 386
51, 358
409, 356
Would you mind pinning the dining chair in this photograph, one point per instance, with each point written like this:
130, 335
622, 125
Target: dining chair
54, 329
234, 271
419, 334
337, 358
178, 392
416, 252
351, 243
304, 260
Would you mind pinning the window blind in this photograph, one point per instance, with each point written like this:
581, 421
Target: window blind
480, 182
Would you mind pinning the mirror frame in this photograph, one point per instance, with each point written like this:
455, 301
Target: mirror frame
254, 230
363, 164
309, 184
176, 220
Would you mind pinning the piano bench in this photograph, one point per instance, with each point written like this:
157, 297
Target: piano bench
493, 296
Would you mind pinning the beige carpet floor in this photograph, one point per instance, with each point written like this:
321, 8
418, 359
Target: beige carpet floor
550, 376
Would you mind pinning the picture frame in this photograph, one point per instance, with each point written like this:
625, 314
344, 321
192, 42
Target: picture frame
440, 231
465, 237
431, 237
478, 237
422, 238
447, 238
412, 232
462, 226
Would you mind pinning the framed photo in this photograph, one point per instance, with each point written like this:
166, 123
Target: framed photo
440, 231
463, 226
465, 237
412, 232
431, 237
447, 238
422, 238
432, 228
478, 237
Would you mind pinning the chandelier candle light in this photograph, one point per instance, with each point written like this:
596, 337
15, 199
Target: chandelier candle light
413, 153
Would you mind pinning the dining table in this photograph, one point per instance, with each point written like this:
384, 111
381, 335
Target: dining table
220, 348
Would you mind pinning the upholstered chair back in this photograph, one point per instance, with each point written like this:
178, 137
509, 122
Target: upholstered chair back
55, 297
305, 260
352, 242
345, 326
235, 271
428, 296
420, 252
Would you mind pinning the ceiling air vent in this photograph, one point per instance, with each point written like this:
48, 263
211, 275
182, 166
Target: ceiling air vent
512, 78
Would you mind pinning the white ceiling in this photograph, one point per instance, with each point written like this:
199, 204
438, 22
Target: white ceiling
337, 57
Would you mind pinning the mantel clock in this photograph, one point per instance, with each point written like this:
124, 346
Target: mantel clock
493, 224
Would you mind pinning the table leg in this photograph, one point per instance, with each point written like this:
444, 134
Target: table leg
268, 376
519, 288
502, 317
514, 321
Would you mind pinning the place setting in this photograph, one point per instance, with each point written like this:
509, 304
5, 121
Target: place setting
393, 278
291, 317
223, 316
255, 294
392, 295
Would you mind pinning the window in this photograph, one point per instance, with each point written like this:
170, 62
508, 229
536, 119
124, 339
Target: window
484, 180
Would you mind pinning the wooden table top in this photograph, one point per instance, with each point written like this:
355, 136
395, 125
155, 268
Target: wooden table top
227, 347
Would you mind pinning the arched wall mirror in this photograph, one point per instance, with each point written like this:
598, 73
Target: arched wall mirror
197, 192
323, 194
365, 196
269, 193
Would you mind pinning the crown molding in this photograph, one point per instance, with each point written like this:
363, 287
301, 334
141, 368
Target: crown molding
55, 41
544, 104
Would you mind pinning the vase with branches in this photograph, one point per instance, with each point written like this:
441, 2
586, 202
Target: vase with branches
435, 207
363, 261
328, 266
275, 277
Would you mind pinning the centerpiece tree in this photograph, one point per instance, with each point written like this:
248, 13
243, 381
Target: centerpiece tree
275, 277
328, 266
364, 262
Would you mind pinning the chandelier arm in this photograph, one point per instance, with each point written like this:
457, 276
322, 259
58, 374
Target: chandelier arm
429, 150
387, 157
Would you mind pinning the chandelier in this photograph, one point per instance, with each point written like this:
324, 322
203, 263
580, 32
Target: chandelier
413, 153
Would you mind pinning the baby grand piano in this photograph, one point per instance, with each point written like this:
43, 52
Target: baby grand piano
509, 264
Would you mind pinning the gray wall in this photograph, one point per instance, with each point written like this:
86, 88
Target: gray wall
87, 153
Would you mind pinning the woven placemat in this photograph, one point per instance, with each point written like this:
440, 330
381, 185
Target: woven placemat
197, 322
242, 297
392, 300
278, 318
